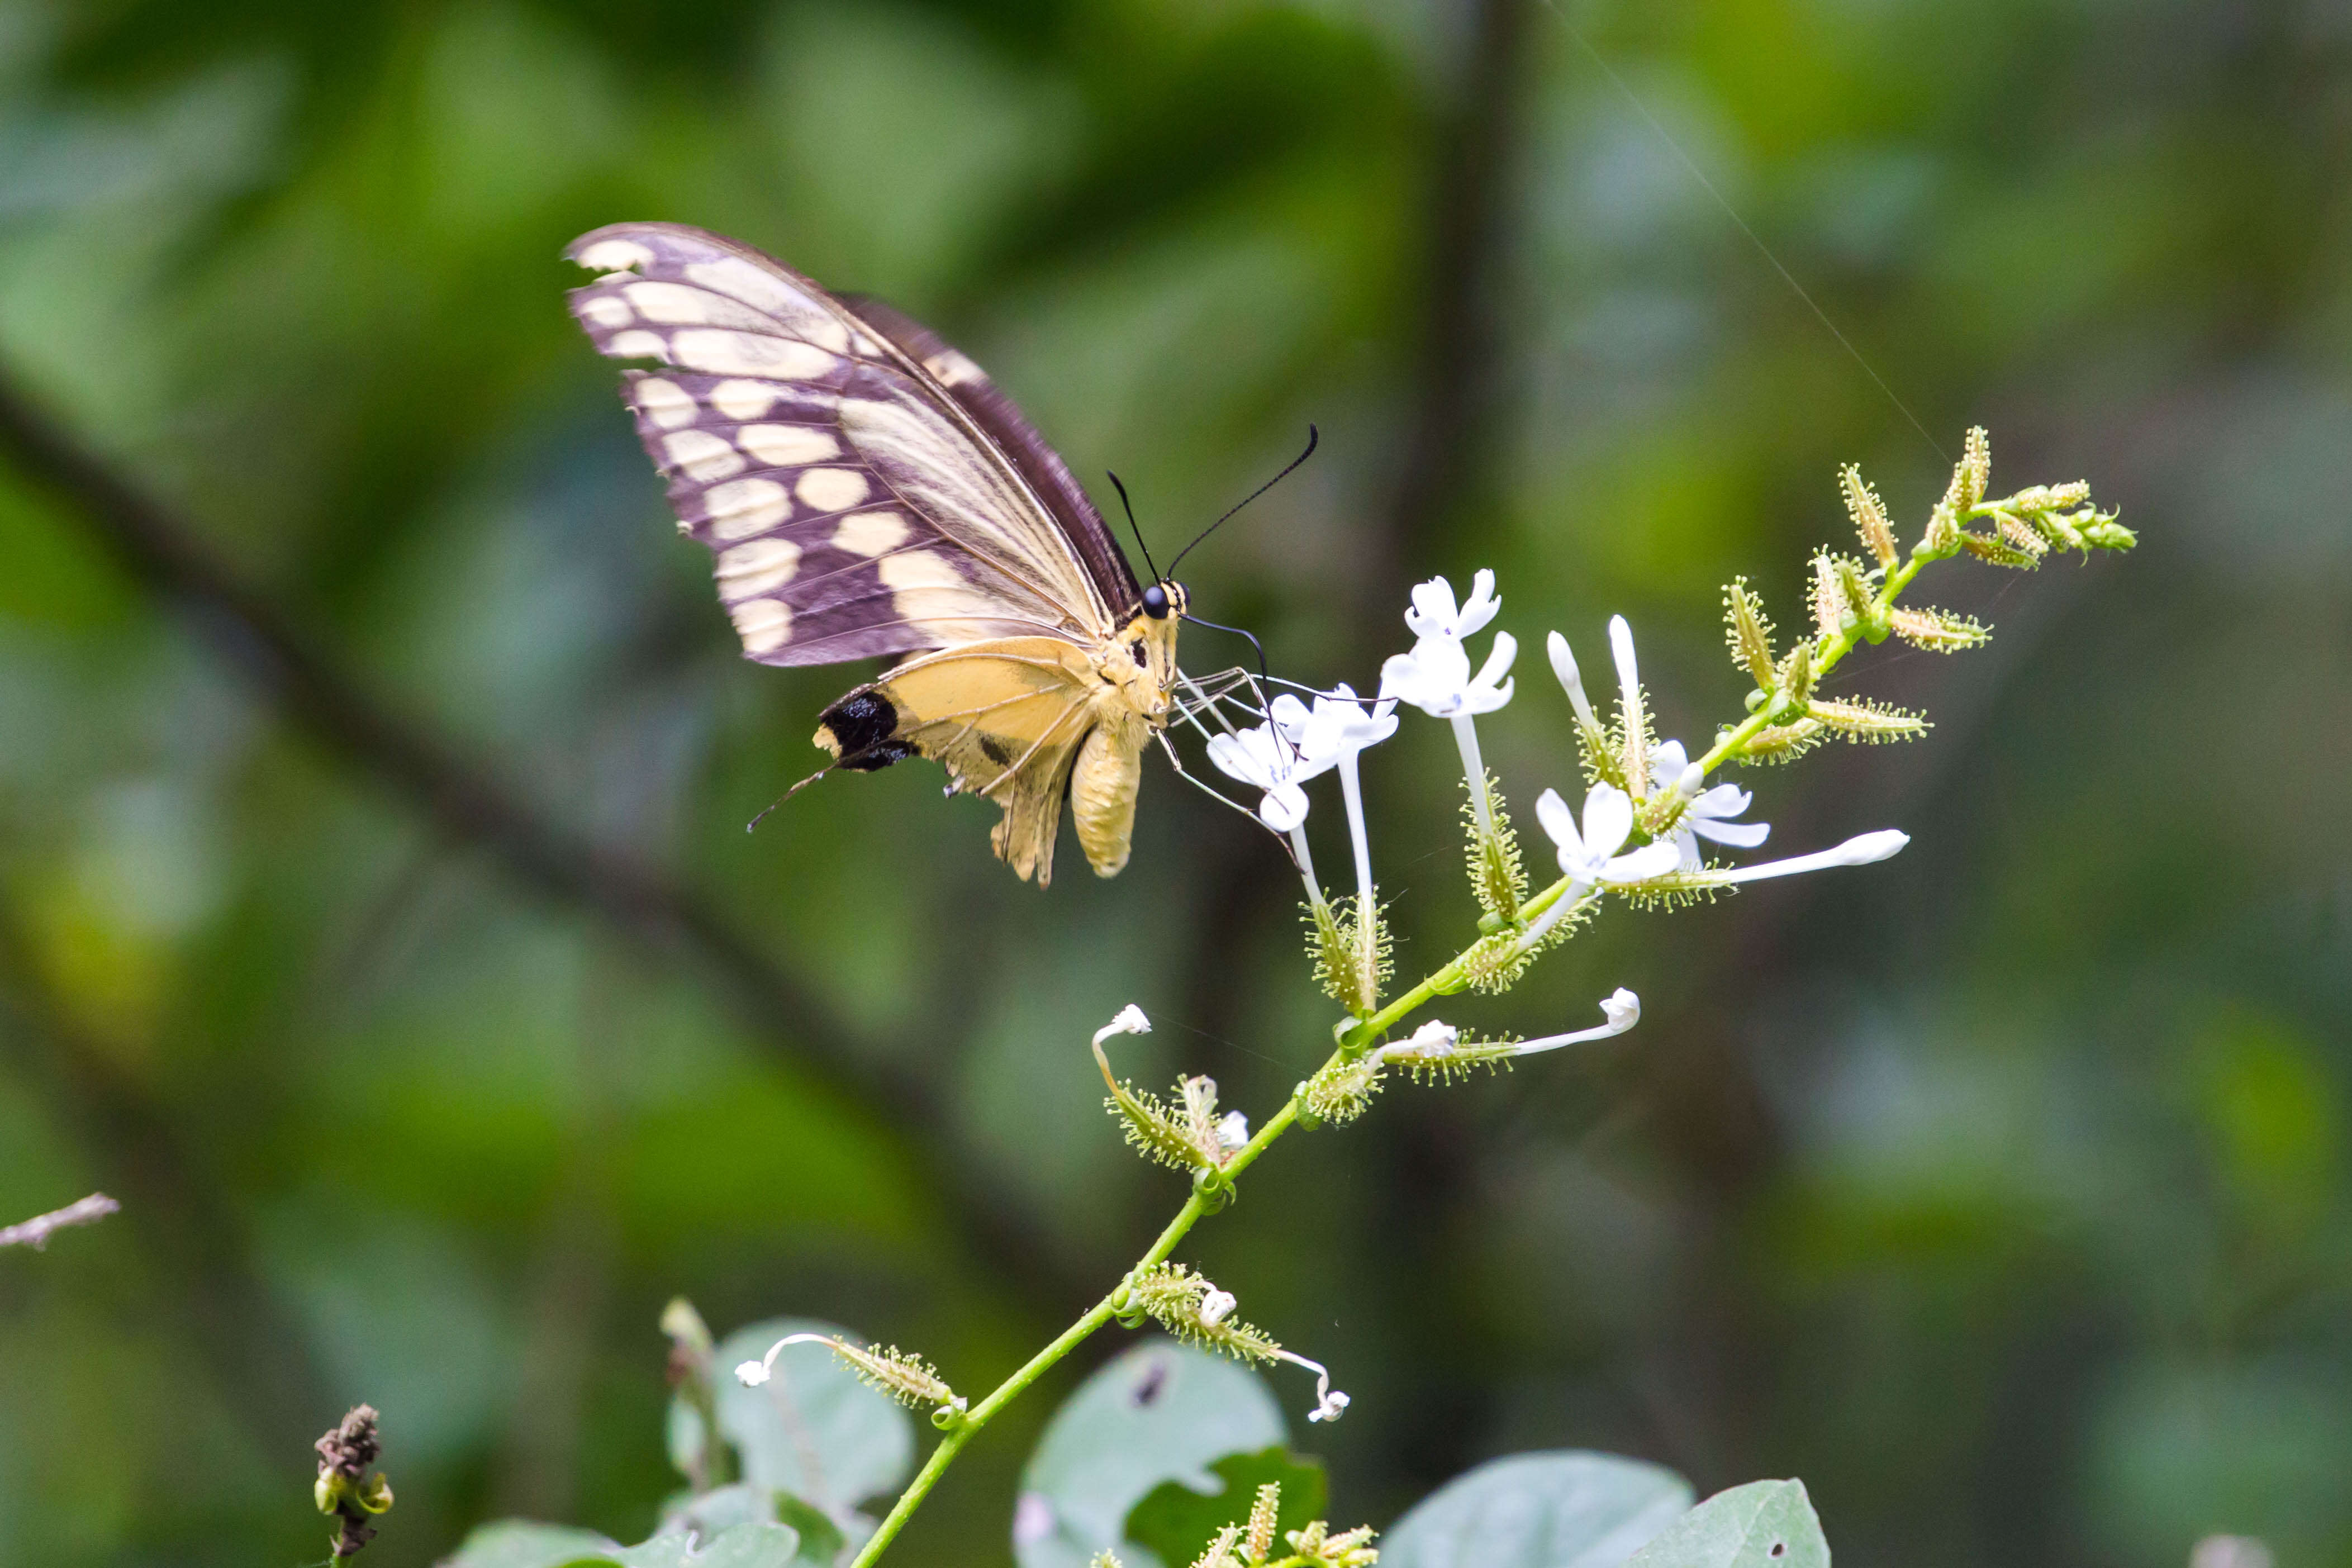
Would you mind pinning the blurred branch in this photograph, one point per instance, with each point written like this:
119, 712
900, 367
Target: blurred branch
234, 1324
1459, 355
315, 689
35, 1232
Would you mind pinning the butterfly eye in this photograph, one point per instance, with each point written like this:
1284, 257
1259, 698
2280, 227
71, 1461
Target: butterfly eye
1155, 602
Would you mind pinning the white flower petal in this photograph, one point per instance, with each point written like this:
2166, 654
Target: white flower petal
1563, 665
1283, 807
1723, 800
1860, 852
1433, 612
1621, 645
1499, 661
1608, 819
1483, 605
1559, 823
1641, 864
1745, 835
1232, 758
1669, 761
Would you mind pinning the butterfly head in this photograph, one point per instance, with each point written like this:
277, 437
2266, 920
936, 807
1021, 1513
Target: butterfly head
1140, 662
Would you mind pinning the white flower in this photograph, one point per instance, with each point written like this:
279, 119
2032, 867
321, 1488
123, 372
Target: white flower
1563, 665
753, 1373
1340, 725
1329, 1403
1436, 677
1857, 851
1435, 614
1129, 1021
1216, 1307
1621, 1010
1335, 731
1435, 1042
1232, 1130
1265, 759
1709, 812
1591, 856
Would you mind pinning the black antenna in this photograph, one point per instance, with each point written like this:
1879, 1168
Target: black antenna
1313, 436
1133, 524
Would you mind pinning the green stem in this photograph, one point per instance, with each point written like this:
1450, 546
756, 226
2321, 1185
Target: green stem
1825, 658
1077, 1333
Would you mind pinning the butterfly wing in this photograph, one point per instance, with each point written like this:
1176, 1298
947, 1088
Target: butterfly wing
1072, 511
857, 503
1008, 719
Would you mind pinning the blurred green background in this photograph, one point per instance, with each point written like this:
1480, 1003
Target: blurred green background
1999, 1190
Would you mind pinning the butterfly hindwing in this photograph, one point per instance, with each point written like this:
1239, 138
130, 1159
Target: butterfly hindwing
1006, 718
855, 508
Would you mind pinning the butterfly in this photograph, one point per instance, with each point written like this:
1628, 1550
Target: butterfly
866, 490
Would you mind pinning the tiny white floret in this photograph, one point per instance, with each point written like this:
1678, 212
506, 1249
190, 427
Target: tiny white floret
1129, 1021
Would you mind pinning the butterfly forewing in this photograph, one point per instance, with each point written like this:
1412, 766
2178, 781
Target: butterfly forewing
853, 505
1048, 477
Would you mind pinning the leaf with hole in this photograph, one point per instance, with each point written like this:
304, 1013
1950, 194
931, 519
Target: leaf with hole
1764, 1524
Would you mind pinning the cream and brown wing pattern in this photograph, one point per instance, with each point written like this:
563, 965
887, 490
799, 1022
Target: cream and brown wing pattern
855, 509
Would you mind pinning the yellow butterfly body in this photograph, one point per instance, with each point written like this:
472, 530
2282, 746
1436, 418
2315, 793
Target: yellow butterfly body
865, 490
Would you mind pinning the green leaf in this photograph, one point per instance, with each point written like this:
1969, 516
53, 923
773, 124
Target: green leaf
708, 1513
1540, 1511
745, 1546
1764, 1524
1176, 1521
812, 1429
1161, 1412
519, 1543
821, 1540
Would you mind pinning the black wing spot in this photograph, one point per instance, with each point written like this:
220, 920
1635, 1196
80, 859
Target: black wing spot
998, 751
1136, 648
874, 758
1779, 1549
862, 727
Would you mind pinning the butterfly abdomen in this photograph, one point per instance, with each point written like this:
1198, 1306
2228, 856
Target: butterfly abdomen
861, 729
1102, 795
